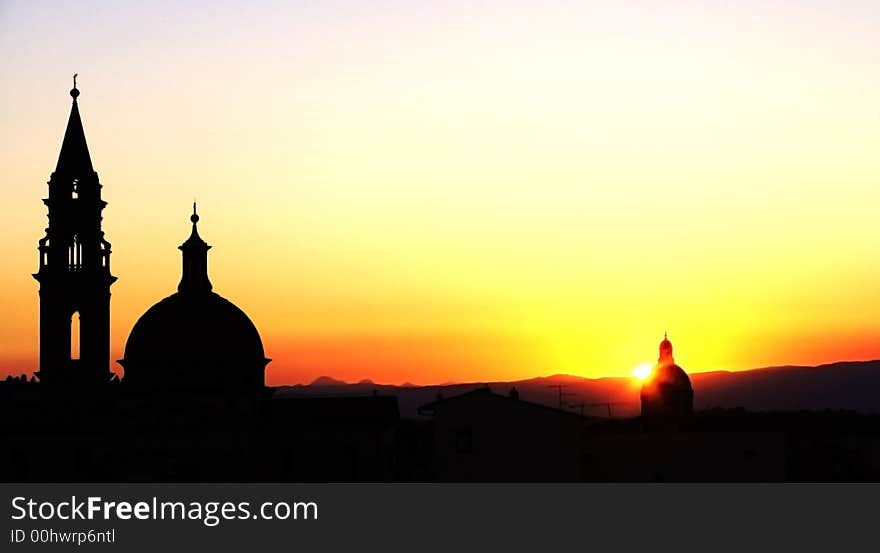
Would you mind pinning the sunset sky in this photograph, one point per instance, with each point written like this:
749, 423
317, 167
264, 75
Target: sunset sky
467, 191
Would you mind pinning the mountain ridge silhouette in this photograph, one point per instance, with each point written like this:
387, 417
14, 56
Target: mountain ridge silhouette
846, 385
328, 381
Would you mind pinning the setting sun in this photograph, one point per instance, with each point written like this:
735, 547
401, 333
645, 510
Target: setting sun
643, 371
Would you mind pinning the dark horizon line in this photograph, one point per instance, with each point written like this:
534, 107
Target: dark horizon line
370, 382
367, 381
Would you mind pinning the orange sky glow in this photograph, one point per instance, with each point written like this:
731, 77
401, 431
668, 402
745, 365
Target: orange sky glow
467, 192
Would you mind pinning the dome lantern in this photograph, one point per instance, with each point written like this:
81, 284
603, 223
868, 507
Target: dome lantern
194, 277
665, 351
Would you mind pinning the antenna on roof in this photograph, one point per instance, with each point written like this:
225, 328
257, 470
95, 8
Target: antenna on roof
562, 394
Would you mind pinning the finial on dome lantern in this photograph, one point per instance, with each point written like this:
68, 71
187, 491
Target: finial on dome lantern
73, 91
194, 237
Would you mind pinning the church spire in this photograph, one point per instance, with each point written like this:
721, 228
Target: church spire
74, 271
74, 159
195, 260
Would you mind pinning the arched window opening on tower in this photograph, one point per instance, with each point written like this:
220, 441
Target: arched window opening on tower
44, 248
75, 189
105, 254
74, 336
74, 255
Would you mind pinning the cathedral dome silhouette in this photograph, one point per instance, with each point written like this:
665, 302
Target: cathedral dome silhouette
668, 390
666, 371
195, 338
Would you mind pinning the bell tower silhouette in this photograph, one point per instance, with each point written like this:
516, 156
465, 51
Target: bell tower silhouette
74, 272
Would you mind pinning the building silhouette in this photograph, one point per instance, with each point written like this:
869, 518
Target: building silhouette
195, 339
192, 404
667, 391
74, 271
484, 436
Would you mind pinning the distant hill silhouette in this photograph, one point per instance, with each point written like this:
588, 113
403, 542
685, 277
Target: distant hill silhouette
328, 381
846, 385
852, 385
